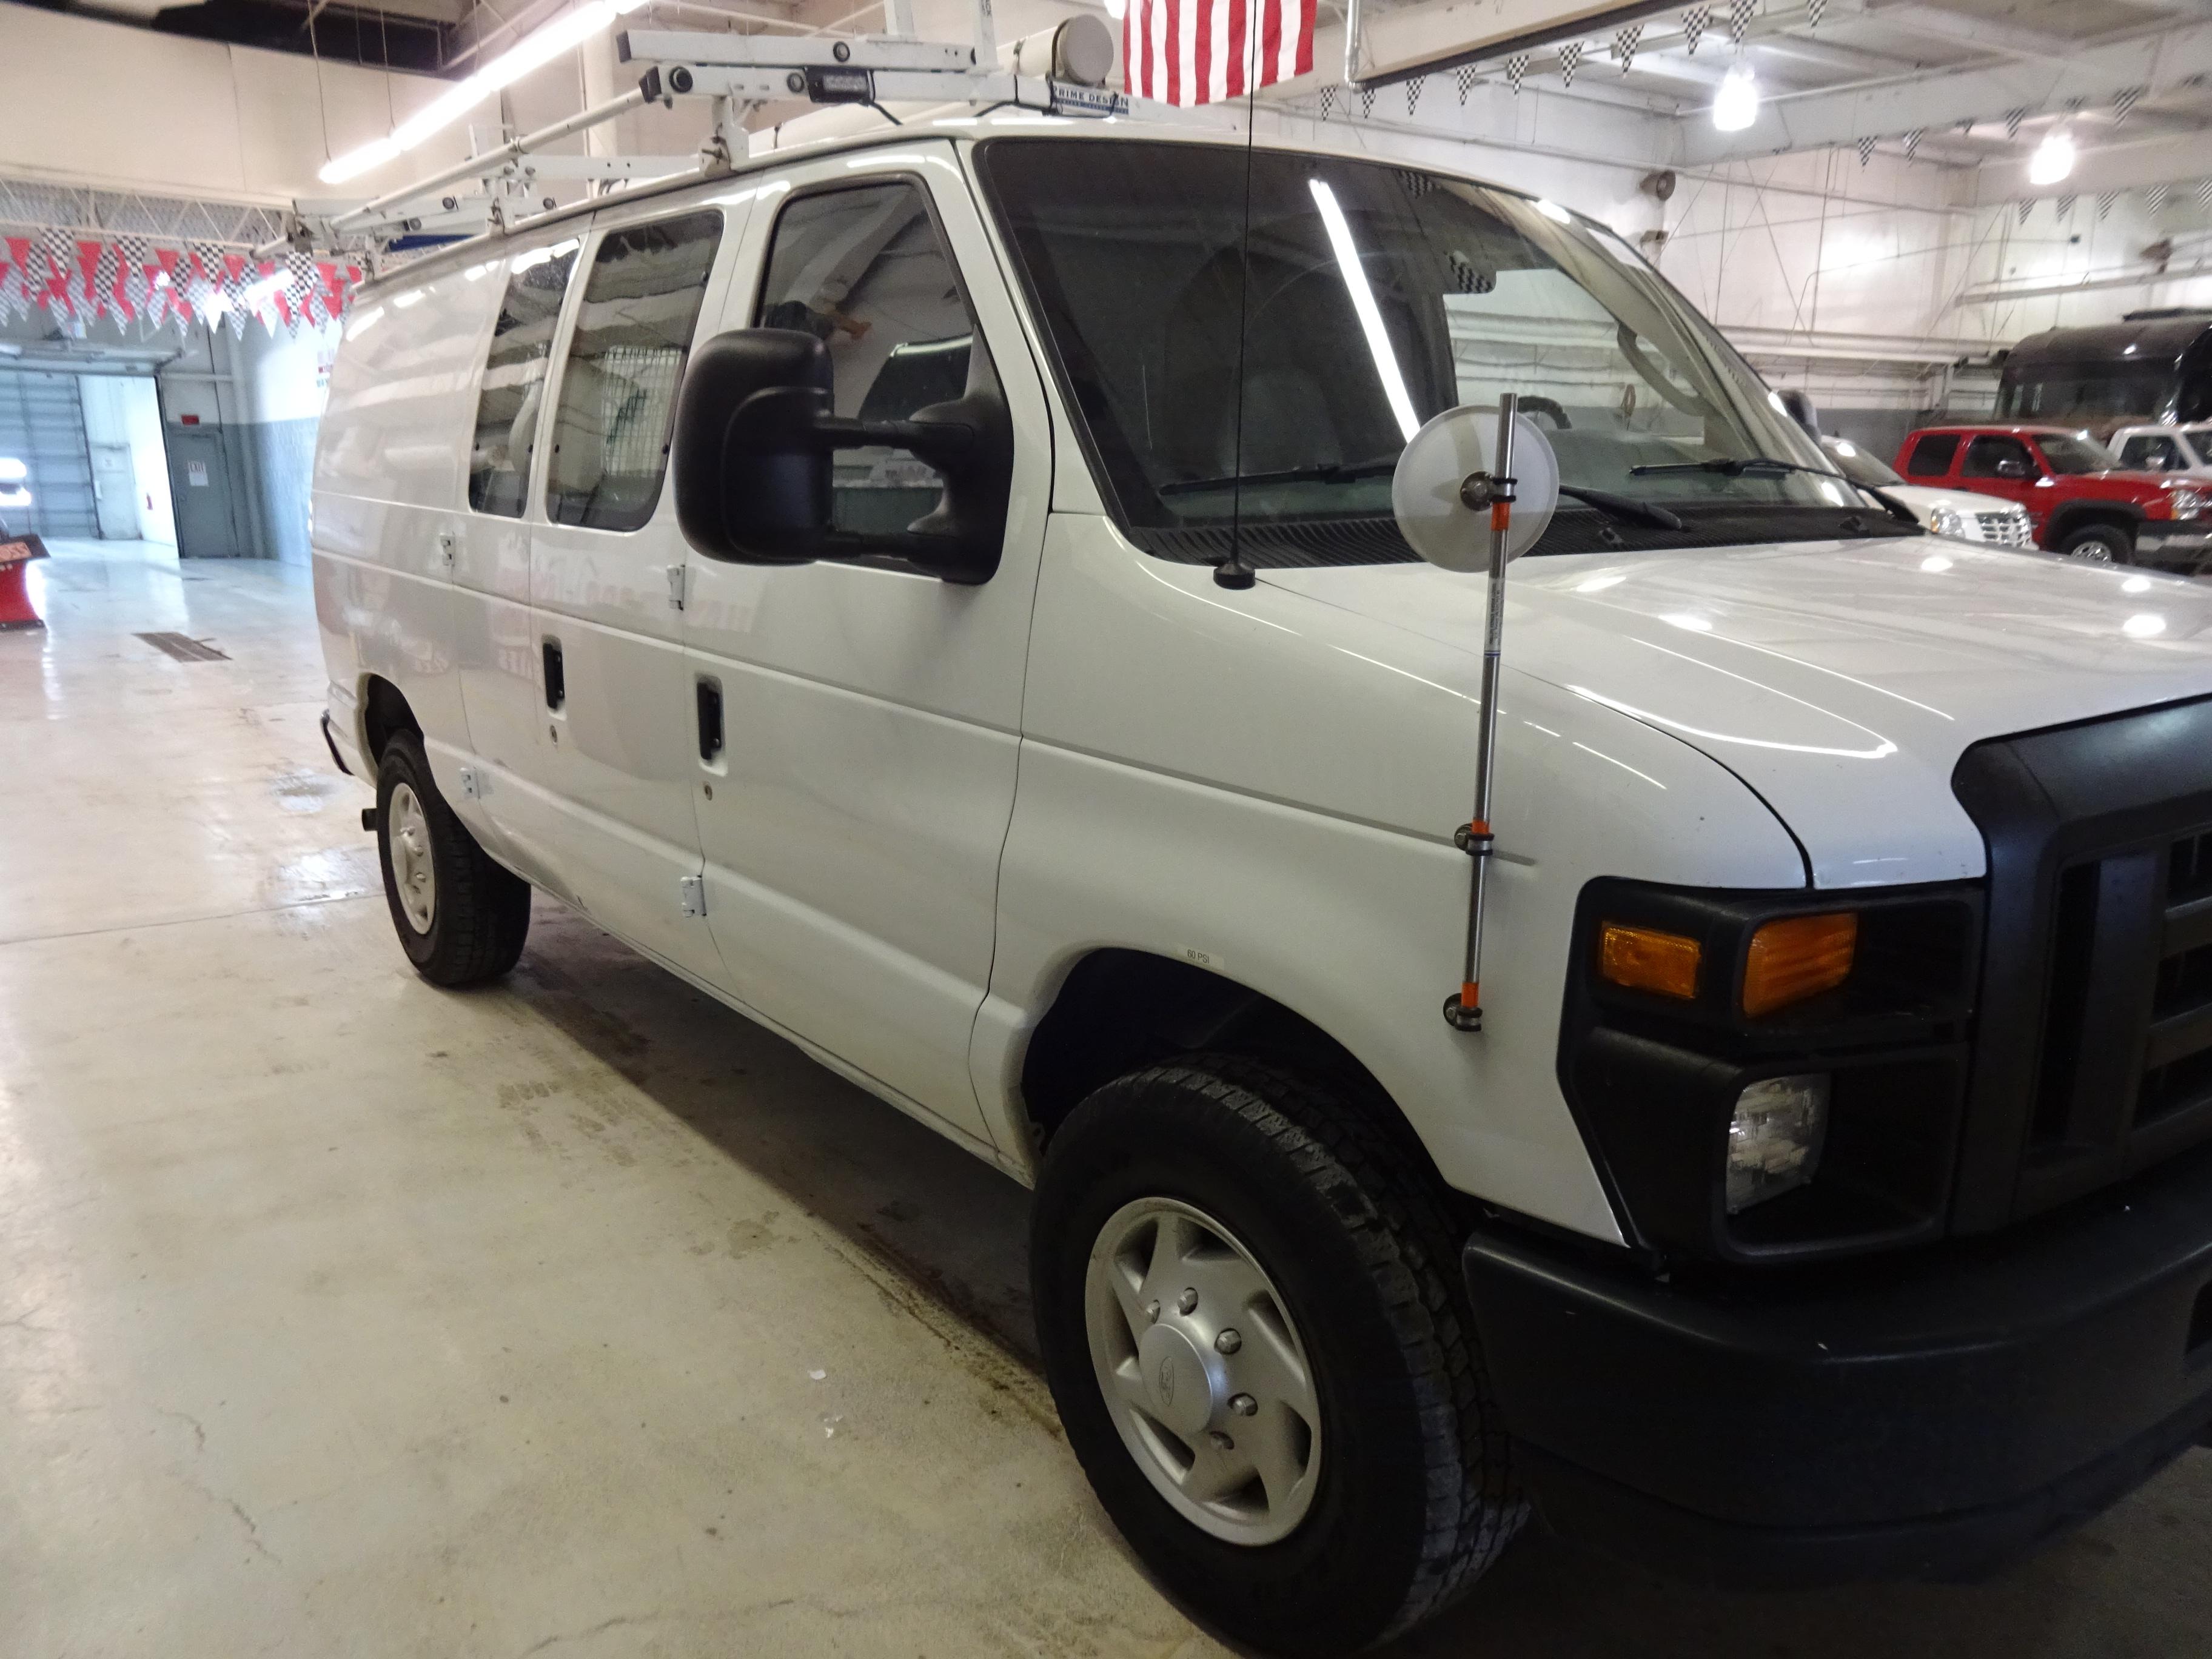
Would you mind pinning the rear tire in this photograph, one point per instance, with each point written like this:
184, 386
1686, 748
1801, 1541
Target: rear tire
2099, 544
1318, 1236
461, 918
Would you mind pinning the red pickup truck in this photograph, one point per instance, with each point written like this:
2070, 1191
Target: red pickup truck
2082, 502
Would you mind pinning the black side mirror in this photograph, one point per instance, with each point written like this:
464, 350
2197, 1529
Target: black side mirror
755, 433
2012, 467
1801, 410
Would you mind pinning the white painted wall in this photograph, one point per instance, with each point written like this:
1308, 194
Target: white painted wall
122, 409
99, 103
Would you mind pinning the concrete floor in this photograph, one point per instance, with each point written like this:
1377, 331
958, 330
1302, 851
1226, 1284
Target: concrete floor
339, 1314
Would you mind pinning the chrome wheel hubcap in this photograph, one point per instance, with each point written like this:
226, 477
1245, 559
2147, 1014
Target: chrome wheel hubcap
1203, 1370
412, 873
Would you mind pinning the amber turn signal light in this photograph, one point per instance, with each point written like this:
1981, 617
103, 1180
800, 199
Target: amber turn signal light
1796, 958
1644, 959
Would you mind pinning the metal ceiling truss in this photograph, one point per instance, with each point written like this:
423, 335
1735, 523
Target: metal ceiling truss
108, 213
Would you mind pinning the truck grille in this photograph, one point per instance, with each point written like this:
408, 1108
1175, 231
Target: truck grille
2004, 529
2093, 1048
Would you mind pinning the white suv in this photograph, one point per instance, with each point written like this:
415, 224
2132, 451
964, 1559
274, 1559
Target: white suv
2164, 449
937, 593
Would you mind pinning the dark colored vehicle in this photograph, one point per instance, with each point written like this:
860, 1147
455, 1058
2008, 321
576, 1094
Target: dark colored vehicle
2151, 366
2082, 503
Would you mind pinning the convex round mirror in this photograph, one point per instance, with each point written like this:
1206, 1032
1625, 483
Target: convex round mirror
1424, 490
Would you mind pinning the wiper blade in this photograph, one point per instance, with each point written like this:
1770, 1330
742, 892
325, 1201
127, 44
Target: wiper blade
1624, 508
1322, 472
1728, 466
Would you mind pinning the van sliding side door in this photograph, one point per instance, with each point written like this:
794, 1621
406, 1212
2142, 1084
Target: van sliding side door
607, 569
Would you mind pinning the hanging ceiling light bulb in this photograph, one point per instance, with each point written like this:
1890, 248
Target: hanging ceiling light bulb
2053, 159
1735, 103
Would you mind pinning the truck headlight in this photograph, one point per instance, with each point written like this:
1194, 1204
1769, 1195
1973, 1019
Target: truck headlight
2187, 503
1774, 1138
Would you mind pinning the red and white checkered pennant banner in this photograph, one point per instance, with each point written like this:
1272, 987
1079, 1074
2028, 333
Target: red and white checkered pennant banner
1201, 51
142, 284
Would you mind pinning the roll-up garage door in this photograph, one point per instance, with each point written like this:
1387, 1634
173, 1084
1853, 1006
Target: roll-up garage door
42, 425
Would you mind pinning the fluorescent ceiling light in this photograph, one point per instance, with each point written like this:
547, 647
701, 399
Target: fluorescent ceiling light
564, 33
2052, 161
1735, 103
1363, 307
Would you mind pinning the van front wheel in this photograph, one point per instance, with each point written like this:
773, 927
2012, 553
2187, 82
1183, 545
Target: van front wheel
460, 917
1251, 1319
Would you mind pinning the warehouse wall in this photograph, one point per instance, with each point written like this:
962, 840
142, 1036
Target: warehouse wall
99, 103
257, 401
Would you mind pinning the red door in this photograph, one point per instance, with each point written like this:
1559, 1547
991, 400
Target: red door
1998, 464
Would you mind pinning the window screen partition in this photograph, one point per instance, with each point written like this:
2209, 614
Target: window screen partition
625, 361
510, 404
864, 270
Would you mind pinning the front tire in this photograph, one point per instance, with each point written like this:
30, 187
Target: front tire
460, 917
1332, 1471
2099, 544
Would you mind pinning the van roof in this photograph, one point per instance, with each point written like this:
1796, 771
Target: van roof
1009, 123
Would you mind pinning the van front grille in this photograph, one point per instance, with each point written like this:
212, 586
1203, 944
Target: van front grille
2093, 1052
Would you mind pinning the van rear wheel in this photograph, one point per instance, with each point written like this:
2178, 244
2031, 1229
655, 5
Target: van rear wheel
460, 917
1249, 1309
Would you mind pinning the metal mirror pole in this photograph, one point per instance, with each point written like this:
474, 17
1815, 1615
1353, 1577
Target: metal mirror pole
1494, 490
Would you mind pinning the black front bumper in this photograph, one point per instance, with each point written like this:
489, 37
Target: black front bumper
1923, 1416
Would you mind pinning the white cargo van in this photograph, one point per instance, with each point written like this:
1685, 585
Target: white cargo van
938, 592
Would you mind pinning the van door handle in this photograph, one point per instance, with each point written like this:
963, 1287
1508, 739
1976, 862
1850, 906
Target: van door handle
710, 719
556, 679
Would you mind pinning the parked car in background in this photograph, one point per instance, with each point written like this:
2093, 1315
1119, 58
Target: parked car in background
2164, 449
1959, 514
2080, 501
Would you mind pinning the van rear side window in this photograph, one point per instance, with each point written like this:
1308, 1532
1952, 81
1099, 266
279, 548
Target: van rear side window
511, 403
625, 361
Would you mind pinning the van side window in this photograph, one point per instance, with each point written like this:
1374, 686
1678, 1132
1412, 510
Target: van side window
1932, 456
511, 401
1989, 452
863, 270
625, 361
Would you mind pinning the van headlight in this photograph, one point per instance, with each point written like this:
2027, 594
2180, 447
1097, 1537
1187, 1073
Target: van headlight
1774, 1138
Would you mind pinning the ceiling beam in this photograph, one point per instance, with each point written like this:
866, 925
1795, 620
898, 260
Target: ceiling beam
1819, 120
1982, 35
2167, 160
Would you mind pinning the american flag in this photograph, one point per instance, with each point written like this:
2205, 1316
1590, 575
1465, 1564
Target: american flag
1200, 52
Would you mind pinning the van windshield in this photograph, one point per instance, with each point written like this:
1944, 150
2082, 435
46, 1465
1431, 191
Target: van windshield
1260, 383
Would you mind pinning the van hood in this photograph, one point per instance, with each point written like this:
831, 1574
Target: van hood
1841, 681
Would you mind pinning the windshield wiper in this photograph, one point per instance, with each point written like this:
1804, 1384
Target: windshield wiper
1624, 508
1322, 472
1728, 466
